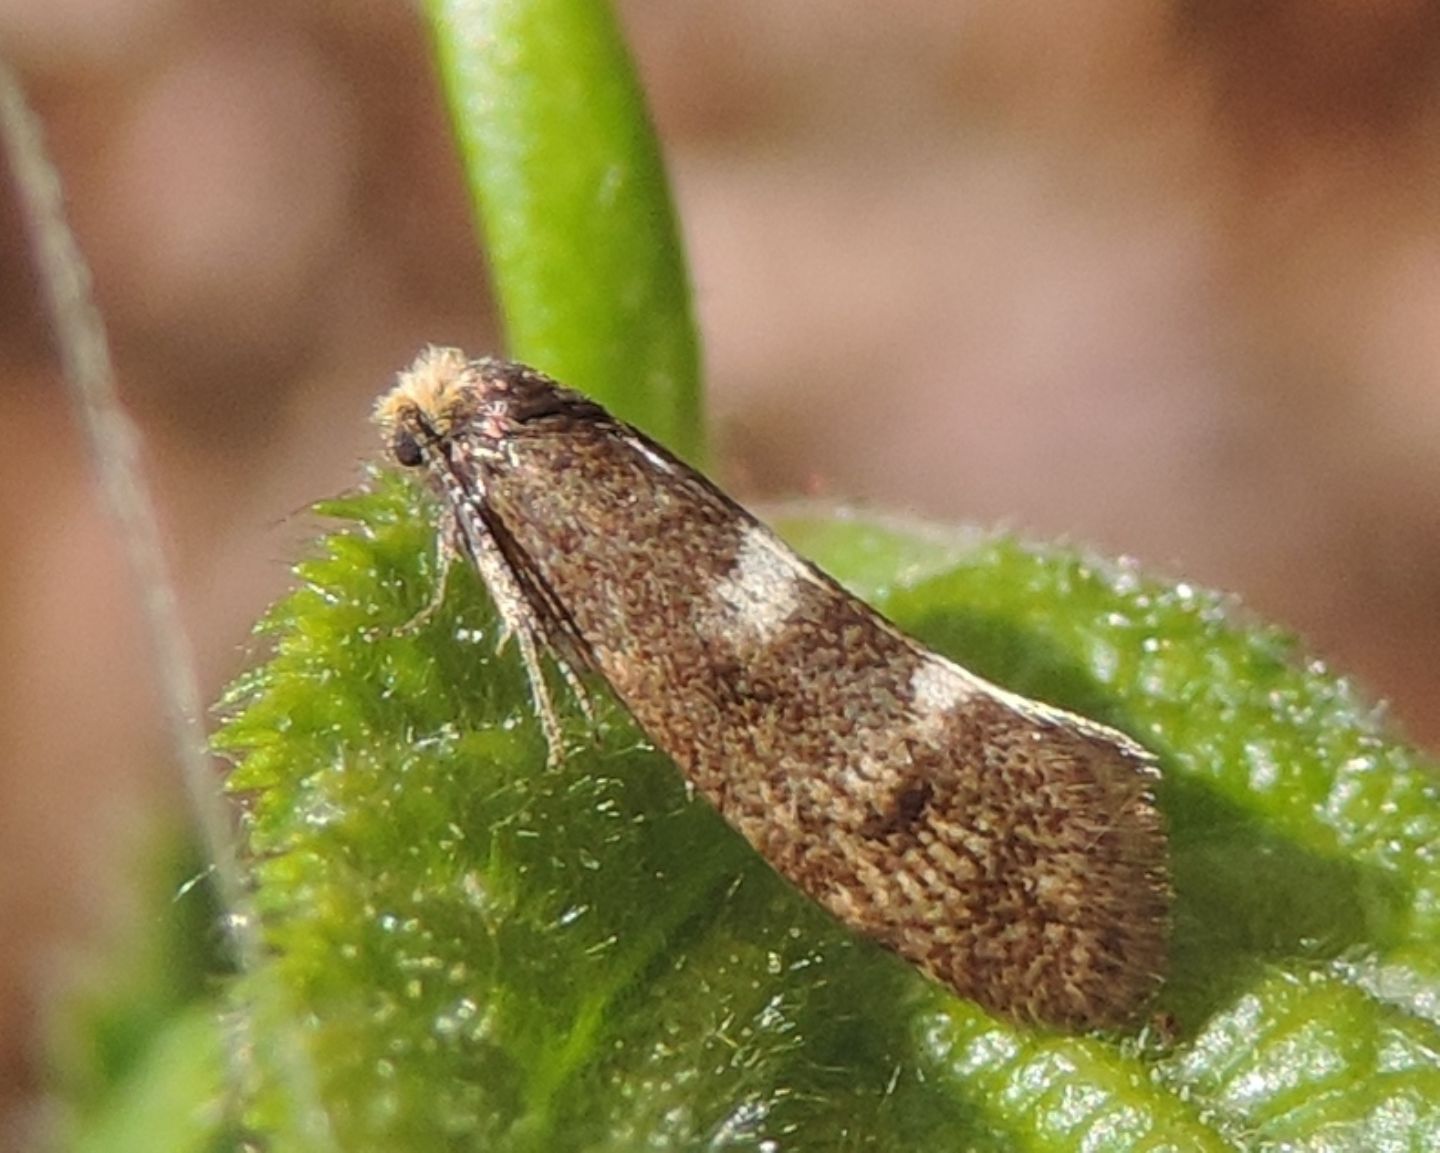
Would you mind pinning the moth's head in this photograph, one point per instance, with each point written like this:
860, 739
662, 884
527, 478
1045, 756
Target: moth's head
431, 398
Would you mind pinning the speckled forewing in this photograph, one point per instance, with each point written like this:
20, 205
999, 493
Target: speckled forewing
1010, 850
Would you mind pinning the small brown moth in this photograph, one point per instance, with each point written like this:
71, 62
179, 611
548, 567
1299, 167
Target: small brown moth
1011, 850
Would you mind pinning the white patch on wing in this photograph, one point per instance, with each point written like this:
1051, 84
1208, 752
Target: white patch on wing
652, 458
757, 597
936, 688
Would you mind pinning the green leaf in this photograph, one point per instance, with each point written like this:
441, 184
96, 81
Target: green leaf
171, 1100
571, 193
136, 1052
480, 952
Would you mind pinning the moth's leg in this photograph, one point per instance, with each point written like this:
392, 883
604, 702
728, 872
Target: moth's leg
447, 546
540, 697
518, 619
578, 690
562, 653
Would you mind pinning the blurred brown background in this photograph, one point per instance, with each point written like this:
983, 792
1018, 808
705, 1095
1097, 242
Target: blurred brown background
1161, 277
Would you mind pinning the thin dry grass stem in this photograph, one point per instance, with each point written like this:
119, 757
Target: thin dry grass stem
64, 279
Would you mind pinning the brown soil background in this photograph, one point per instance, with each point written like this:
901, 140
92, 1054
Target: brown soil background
1163, 278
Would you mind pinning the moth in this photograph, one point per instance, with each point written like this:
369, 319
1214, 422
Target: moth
1011, 850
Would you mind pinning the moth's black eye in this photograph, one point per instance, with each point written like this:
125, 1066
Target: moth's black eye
406, 450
